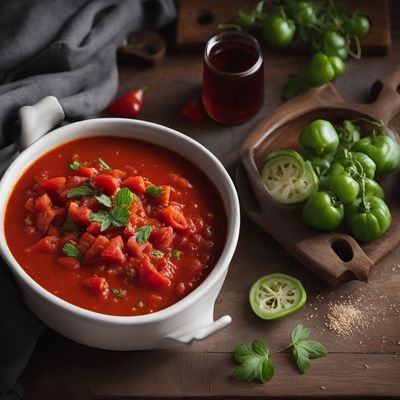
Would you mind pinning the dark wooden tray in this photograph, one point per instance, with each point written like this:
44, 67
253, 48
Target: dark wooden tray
198, 20
335, 256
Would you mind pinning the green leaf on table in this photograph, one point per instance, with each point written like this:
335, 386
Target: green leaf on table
305, 350
255, 363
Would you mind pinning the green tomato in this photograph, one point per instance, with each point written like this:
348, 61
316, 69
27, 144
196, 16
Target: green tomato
334, 44
323, 211
288, 177
357, 25
337, 64
323, 69
349, 133
320, 165
319, 137
302, 12
382, 149
372, 188
367, 220
342, 183
278, 31
277, 295
247, 19
367, 164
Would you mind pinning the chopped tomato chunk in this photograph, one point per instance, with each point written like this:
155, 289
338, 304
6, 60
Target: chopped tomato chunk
164, 198
137, 249
43, 220
162, 238
174, 217
86, 241
30, 205
113, 252
98, 285
47, 245
135, 183
107, 182
96, 248
94, 228
70, 263
150, 277
79, 214
54, 185
43, 203
87, 172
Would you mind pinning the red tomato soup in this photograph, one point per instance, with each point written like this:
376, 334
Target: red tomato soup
115, 225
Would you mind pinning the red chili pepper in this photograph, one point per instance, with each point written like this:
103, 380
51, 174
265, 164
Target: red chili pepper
193, 111
128, 105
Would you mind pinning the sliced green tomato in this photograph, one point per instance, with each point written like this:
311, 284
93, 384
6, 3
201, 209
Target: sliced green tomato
276, 296
288, 177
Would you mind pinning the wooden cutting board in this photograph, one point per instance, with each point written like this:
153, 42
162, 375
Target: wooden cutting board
198, 21
334, 256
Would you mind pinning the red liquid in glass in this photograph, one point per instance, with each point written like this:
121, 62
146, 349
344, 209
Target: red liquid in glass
233, 82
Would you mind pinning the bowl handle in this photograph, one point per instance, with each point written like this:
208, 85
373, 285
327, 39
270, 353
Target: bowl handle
38, 119
200, 333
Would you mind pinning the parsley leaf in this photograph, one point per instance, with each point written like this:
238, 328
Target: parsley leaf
121, 293
157, 254
71, 251
103, 217
75, 165
142, 234
176, 254
104, 166
154, 191
119, 216
255, 364
70, 225
81, 191
123, 198
305, 350
105, 200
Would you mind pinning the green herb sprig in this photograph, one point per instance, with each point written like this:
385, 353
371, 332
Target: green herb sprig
117, 216
71, 251
255, 358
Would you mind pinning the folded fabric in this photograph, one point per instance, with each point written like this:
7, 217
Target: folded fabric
66, 49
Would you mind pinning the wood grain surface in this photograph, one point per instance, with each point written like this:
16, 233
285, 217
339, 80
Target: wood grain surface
365, 365
198, 21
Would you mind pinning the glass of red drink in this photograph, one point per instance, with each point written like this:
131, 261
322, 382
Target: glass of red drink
233, 77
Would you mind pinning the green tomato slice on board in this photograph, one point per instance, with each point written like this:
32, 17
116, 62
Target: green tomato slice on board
276, 296
288, 177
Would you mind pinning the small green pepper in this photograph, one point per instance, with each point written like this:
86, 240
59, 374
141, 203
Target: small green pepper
278, 31
382, 149
319, 137
367, 219
246, 19
342, 182
357, 25
360, 160
323, 211
372, 188
302, 12
323, 69
334, 44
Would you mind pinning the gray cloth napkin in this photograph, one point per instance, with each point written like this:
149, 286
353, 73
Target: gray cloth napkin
65, 48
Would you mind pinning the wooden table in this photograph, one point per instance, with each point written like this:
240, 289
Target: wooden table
366, 365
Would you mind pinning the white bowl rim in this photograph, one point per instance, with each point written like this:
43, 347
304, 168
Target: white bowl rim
232, 231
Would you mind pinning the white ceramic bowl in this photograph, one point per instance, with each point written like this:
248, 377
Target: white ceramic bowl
190, 318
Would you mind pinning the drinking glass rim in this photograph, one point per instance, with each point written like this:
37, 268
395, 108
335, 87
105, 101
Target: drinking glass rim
243, 35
